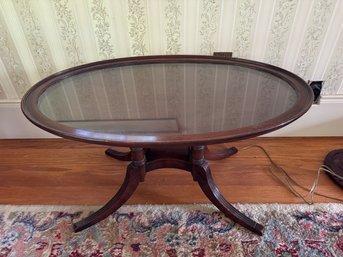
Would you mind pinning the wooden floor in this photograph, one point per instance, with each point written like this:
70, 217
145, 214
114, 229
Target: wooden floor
58, 171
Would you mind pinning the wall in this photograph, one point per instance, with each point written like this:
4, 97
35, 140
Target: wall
40, 37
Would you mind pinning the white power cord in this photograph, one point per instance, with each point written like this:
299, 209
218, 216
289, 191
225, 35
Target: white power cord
290, 183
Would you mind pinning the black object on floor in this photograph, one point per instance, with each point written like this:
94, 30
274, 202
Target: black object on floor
334, 160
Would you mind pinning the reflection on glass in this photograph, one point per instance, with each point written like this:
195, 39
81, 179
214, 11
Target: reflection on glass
180, 98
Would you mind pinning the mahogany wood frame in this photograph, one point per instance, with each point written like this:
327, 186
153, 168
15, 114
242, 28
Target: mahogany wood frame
186, 152
191, 159
30, 108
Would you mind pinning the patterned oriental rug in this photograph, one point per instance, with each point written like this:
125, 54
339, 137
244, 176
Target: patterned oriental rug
172, 230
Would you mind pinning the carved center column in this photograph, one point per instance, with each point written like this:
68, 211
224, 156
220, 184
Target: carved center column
138, 162
197, 159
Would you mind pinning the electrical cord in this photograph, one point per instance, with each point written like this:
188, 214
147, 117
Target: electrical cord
290, 183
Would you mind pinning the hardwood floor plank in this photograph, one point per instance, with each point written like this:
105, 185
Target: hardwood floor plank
58, 171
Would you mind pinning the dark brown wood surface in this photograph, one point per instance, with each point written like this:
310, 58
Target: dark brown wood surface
334, 160
58, 171
302, 103
190, 159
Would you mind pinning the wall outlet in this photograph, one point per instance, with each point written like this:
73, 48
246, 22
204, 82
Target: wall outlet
317, 88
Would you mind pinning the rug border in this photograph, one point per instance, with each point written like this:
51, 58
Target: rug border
335, 207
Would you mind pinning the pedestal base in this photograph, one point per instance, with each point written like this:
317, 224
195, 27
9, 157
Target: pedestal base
191, 159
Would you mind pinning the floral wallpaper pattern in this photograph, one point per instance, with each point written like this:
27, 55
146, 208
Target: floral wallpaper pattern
282, 21
12, 63
138, 27
2, 94
68, 32
102, 31
335, 70
209, 25
246, 18
173, 26
314, 36
36, 39
29, 46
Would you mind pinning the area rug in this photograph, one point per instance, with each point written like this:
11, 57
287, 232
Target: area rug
172, 230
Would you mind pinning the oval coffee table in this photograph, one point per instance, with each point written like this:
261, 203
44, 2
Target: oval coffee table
167, 110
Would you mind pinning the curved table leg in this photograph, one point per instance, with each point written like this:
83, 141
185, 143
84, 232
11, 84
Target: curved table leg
219, 154
202, 174
118, 155
132, 179
193, 161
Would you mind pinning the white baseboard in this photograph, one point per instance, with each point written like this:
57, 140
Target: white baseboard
325, 119
15, 125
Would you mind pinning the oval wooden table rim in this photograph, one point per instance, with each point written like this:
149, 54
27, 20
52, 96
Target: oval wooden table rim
31, 110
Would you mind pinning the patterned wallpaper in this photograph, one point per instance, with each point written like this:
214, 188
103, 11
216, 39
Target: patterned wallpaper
40, 37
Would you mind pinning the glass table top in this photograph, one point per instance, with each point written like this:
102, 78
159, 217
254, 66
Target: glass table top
167, 99
183, 98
